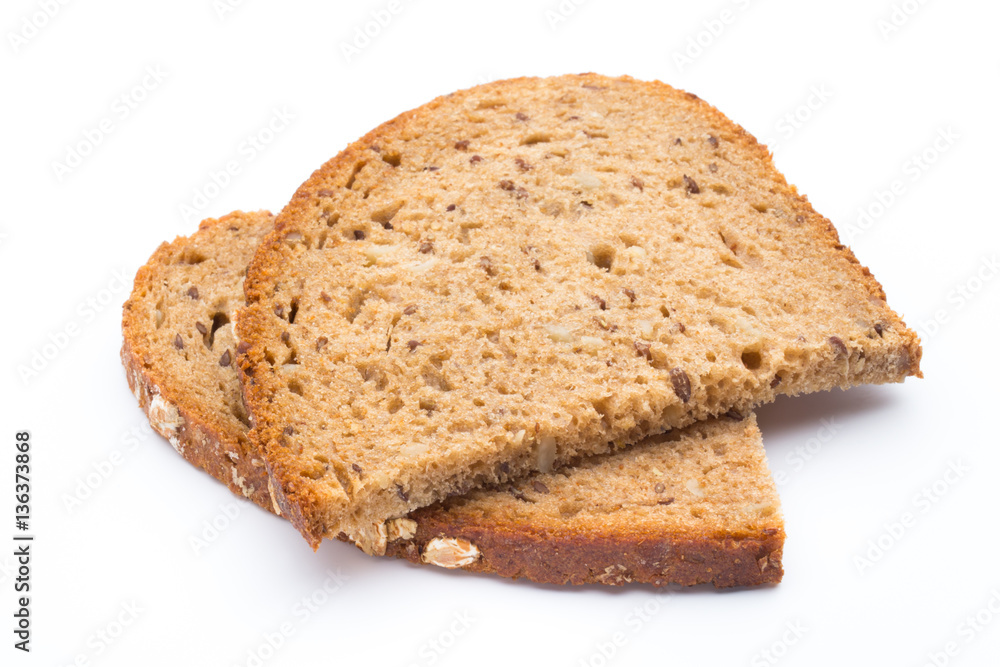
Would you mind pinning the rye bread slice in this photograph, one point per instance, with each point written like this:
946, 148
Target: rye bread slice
179, 351
695, 506
516, 275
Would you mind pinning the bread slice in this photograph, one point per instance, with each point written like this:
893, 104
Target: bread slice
695, 506
179, 351
516, 275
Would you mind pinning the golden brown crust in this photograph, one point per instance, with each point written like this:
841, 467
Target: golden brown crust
302, 512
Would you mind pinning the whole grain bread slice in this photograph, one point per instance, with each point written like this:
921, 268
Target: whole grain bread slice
695, 506
516, 275
179, 349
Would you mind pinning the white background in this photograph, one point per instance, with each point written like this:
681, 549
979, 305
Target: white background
879, 98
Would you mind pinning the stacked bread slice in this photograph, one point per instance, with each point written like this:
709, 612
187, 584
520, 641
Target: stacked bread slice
690, 506
520, 329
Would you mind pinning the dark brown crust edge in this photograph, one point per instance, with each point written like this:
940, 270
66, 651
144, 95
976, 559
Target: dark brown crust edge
300, 501
519, 551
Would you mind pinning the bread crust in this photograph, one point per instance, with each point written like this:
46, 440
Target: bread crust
519, 550
309, 506
197, 439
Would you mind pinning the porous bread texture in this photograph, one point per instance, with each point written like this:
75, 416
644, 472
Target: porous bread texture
693, 506
179, 348
516, 275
